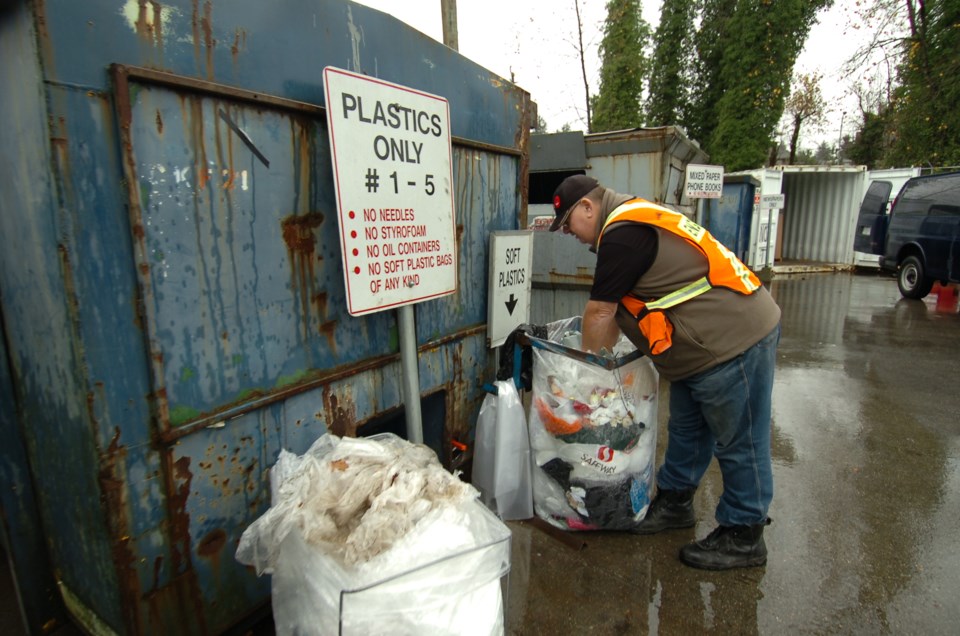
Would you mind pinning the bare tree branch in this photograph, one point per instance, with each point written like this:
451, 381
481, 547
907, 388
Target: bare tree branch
583, 63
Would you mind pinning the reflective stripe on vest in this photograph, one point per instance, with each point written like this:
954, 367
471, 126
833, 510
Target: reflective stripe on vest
653, 324
683, 294
725, 269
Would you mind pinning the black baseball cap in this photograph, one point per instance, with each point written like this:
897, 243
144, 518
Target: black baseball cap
565, 197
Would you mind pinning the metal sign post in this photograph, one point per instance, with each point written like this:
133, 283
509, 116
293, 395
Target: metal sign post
771, 203
392, 168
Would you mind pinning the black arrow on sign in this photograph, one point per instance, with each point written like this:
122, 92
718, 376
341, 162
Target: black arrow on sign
511, 304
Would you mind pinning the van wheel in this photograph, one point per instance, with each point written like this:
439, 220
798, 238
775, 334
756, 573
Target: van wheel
911, 279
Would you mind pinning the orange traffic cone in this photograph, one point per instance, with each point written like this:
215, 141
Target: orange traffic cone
947, 297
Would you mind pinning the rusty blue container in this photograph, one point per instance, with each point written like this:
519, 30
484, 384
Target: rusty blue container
173, 304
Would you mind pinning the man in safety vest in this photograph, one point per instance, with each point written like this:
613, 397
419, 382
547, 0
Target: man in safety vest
712, 330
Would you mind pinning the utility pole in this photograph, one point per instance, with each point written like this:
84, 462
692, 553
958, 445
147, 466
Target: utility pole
840, 141
448, 12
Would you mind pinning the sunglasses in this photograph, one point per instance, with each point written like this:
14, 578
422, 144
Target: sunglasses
566, 224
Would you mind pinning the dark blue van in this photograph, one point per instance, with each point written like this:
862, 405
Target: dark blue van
920, 238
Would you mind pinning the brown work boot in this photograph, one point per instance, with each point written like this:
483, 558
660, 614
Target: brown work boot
727, 547
669, 509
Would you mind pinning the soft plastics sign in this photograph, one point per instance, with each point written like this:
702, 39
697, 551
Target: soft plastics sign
508, 289
703, 181
392, 171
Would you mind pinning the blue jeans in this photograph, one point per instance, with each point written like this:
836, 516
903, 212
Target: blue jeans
725, 411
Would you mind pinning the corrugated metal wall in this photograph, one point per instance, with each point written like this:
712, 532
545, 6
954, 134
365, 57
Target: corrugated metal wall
820, 214
175, 307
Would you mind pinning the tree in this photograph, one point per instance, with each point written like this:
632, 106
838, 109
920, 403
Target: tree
870, 142
804, 106
868, 146
925, 121
755, 73
824, 153
709, 41
805, 157
624, 67
583, 61
672, 64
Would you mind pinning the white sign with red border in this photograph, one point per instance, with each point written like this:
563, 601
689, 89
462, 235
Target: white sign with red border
392, 170
703, 181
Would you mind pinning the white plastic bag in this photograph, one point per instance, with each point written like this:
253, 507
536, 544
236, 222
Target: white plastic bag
373, 536
501, 464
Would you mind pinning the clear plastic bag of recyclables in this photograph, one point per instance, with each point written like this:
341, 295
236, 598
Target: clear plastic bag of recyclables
373, 536
593, 432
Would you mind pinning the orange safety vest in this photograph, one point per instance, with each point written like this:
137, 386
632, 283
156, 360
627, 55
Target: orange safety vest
724, 269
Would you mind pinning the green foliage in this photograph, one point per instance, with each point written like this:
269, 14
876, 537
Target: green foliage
924, 124
710, 42
672, 64
755, 74
867, 147
624, 68
804, 157
824, 153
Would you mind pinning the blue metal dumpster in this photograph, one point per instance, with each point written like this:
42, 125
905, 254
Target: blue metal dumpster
729, 217
172, 295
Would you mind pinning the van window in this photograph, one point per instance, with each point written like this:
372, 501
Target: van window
944, 210
923, 195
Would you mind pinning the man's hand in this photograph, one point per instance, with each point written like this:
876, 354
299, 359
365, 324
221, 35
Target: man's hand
599, 326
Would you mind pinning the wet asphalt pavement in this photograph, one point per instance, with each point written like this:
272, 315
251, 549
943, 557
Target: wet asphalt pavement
866, 509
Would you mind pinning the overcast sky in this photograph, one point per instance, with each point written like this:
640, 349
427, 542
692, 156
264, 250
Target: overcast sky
533, 42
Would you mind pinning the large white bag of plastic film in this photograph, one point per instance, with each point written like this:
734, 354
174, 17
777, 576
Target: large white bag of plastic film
501, 462
593, 434
373, 536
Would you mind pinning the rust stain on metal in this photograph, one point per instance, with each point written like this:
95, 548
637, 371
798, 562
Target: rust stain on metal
212, 543
239, 43
66, 268
320, 302
149, 24
159, 123
457, 426
195, 25
299, 236
327, 328
528, 118
191, 111
341, 413
184, 591
206, 25
130, 171
113, 487
43, 35
252, 483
